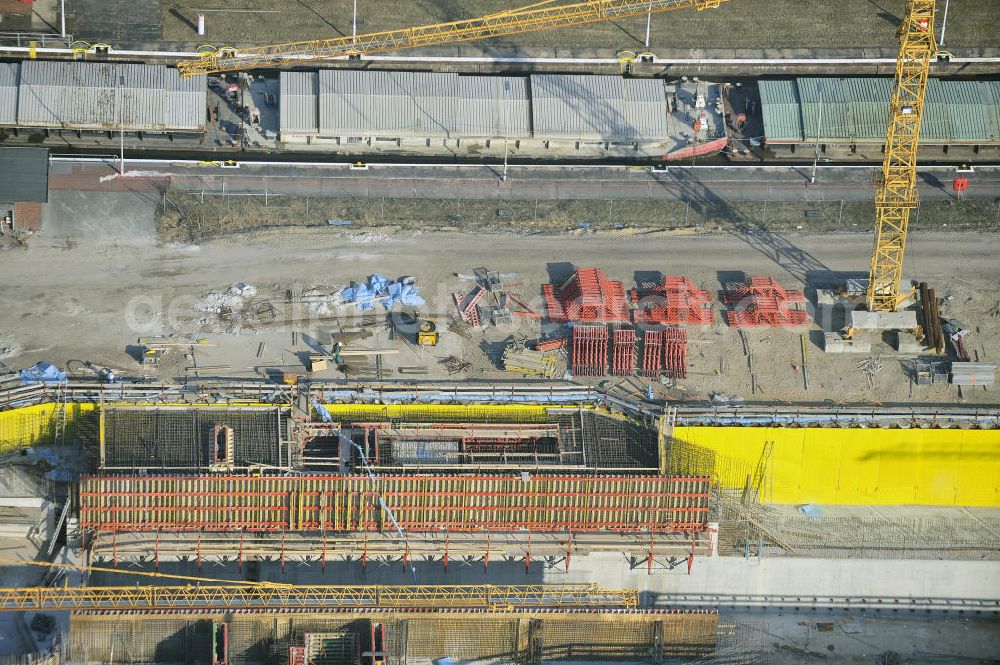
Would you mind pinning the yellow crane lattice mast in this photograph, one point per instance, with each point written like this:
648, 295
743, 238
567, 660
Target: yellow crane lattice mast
539, 16
483, 598
896, 189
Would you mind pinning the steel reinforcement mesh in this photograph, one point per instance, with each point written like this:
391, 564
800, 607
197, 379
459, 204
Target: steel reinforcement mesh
680, 635
139, 639
178, 439
616, 443
416, 503
487, 638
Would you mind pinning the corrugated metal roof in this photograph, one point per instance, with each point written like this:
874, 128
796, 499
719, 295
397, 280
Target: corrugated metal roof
25, 175
298, 95
421, 104
857, 110
8, 92
607, 108
870, 106
781, 110
84, 95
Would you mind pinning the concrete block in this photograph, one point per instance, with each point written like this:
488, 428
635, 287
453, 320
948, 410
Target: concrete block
861, 320
906, 342
834, 343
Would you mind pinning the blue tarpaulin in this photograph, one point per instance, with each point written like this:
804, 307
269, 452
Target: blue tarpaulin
43, 372
380, 288
322, 411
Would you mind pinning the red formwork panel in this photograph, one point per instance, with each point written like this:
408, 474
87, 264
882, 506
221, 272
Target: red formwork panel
468, 305
675, 344
652, 352
623, 344
588, 296
467, 503
296, 656
675, 301
751, 318
762, 302
762, 285
590, 350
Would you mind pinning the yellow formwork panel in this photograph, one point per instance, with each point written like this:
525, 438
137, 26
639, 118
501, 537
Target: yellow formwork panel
469, 413
939, 467
34, 425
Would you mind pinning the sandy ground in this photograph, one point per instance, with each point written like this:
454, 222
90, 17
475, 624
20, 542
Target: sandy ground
73, 303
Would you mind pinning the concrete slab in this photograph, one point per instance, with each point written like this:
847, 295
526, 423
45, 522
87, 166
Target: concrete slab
906, 342
835, 343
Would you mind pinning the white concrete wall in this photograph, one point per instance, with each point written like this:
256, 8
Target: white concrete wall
797, 576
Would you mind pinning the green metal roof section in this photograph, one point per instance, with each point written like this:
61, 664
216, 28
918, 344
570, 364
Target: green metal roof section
856, 110
780, 108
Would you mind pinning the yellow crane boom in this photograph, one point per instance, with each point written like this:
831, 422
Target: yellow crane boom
896, 188
539, 16
484, 597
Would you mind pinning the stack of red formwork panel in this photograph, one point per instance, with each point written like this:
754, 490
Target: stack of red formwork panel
468, 305
652, 352
674, 302
590, 350
623, 344
675, 353
762, 302
588, 296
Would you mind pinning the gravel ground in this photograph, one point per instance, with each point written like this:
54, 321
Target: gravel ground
89, 301
192, 219
739, 24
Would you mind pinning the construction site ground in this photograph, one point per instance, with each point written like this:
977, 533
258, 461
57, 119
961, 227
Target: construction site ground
72, 301
740, 24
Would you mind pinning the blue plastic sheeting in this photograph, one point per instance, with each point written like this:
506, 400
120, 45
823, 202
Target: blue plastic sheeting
380, 288
323, 413
776, 420
811, 510
43, 372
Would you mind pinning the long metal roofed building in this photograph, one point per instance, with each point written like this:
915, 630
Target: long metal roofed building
88, 96
847, 117
8, 93
547, 115
346, 107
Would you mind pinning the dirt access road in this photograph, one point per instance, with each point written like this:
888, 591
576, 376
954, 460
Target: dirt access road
88, 302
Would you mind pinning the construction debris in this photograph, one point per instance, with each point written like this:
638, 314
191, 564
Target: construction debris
455, 365
490, 301
870, 367
521, 360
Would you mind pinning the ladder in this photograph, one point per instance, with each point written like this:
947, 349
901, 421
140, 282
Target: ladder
759, 485
60, 415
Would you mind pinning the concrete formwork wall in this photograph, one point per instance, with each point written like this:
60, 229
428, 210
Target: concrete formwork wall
939, 467
253, 639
